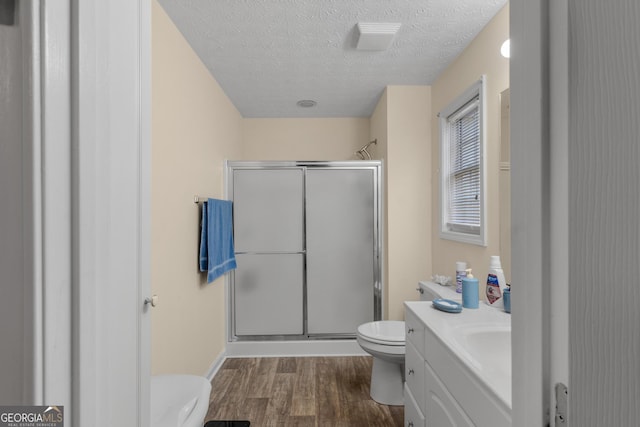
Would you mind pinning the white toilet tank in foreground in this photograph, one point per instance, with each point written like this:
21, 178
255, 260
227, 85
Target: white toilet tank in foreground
179, 400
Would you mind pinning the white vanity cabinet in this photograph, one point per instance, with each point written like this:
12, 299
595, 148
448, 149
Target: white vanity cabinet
440, 388
414, 372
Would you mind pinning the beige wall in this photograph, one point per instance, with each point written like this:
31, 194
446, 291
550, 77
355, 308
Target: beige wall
481, 57
402, 126
304, 139
194, 128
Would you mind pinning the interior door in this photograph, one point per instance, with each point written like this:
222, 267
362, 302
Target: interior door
340, 229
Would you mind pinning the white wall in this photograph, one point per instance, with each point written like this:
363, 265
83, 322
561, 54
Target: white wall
604, 212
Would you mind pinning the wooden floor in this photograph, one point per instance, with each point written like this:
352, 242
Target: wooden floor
299, 391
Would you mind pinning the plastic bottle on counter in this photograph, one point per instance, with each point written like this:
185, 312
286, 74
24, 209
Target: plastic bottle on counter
470, 293
507, 298
461, 272
496, 283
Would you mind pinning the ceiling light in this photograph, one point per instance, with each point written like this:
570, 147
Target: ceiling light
376, 36
505, 49
306, 103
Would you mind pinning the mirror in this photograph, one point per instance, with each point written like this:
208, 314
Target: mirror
505, 186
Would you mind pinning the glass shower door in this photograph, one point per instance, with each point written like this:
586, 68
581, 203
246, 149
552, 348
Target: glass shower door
341, 255
268, 286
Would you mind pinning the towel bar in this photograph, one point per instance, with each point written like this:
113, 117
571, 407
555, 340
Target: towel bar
198, 199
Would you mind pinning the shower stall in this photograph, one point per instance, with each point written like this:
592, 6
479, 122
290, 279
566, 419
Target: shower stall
308, 248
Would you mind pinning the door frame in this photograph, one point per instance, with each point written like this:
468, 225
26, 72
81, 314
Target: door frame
539, 150
111, 159
529, 83
559, 200
90, 136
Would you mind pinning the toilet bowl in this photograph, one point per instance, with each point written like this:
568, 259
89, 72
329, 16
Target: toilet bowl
385, 341
179, 400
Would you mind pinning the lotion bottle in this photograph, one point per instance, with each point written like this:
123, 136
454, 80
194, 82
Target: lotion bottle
461, 273
496, 284
469, 291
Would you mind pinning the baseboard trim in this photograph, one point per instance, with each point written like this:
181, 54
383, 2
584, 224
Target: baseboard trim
215, 366
294, 348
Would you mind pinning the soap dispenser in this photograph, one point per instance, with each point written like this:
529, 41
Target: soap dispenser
496, 283
470, 294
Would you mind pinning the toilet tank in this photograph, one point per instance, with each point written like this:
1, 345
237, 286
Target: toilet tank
430, 291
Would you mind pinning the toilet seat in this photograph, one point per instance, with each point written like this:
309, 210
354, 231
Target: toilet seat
384, 332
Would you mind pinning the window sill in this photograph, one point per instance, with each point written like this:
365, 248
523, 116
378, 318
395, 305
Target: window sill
472, 239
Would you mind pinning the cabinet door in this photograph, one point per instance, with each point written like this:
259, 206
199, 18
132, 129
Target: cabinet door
340, 249
268, 210
441, 409
268, 294
412, 415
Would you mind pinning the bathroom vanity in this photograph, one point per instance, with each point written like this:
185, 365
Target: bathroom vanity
457, 367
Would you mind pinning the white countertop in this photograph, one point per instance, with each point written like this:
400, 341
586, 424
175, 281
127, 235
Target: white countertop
479, 338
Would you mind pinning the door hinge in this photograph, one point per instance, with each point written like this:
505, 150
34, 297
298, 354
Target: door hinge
562, 394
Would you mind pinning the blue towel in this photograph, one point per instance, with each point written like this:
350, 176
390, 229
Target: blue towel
204, 258
216, 239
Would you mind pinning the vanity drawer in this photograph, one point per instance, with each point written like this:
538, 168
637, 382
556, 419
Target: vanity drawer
414, 331
412, 415
414, 374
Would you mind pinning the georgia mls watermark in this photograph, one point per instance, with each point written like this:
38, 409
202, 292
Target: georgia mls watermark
31, 416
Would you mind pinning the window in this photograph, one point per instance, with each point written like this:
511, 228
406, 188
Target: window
462, 168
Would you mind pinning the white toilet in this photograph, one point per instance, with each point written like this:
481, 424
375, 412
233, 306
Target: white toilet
179, 400
385, 341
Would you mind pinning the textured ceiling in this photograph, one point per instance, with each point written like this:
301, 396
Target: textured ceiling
268, 54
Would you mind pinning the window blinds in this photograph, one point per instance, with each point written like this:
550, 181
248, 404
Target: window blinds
464, 169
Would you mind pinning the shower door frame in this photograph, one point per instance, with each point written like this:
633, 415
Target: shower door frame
378, 286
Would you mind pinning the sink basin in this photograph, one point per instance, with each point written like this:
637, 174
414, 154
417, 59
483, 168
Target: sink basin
488, 349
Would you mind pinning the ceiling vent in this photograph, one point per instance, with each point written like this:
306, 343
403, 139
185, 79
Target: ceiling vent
376, 36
